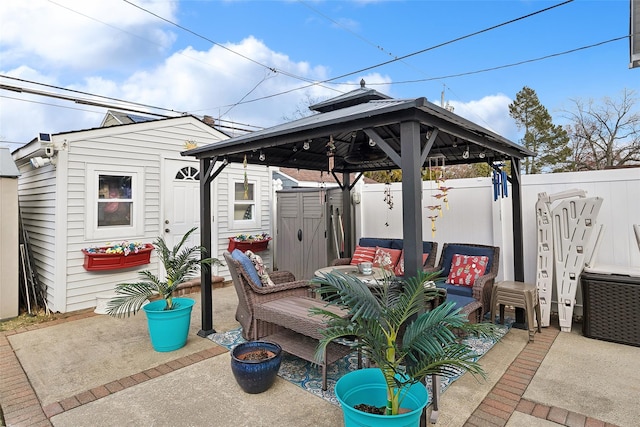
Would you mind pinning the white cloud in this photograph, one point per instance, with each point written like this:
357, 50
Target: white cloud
65, 49
80, 34
491, 112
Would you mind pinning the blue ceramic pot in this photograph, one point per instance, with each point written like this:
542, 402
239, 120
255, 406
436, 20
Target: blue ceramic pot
255, 376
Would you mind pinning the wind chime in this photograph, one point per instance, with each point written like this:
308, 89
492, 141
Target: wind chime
437, 178
388, 199
499, 181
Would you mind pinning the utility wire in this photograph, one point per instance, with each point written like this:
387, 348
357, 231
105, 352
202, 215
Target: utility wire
411, 54
511, 21
514, 64
183, 28
327, 80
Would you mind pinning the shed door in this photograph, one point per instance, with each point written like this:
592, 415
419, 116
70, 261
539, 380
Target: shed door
302, 244
181, 187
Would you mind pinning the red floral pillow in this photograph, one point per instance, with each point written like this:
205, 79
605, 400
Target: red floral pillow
465, 269
399, 270
386, 258
362, 254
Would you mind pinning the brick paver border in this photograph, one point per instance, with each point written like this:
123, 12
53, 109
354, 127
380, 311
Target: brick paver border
506, 396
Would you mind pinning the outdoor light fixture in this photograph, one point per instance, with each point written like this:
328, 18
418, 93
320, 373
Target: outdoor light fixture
465, 153
262, 156
38, 162
372, 143
482, 154
306, 145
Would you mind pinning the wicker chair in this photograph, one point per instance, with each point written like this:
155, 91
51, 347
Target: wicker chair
483, 285
250, 294
429, 247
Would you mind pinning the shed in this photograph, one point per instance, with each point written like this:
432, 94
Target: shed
8, 235
72, 182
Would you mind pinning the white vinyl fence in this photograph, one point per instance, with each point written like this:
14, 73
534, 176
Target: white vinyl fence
474, 217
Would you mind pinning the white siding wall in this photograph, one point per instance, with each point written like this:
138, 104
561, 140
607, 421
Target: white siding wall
54, 201
224, 185
37, 198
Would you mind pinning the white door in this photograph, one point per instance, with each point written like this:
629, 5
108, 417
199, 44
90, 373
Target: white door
181, 195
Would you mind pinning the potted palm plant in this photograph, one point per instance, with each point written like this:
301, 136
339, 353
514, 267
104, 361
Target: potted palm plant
168, 317
403, 339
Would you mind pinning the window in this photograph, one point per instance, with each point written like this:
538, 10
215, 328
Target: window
244, 204
114, 199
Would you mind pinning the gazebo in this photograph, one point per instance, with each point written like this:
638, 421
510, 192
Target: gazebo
365, 130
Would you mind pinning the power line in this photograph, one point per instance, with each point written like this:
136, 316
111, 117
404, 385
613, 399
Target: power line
183, 28
457, 39
514, 64
413, 53
88, 94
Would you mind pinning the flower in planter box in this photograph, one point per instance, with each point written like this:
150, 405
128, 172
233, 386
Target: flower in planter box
121, 248
251, 237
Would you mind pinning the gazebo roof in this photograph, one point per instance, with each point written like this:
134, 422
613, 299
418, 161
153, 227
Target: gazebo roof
364, 126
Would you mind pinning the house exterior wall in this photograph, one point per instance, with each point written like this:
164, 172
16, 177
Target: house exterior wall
54, 201
474, 216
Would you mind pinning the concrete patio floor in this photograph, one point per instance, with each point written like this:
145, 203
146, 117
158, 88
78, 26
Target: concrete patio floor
94, 370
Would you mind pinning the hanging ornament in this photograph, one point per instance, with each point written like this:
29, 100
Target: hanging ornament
388, 199
246, 179
433, 224
322, 187
331, 150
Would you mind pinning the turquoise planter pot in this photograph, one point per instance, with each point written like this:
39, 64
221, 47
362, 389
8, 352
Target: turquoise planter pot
368, 386
168, 329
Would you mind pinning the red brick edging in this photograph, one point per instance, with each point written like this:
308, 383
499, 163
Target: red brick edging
506, 396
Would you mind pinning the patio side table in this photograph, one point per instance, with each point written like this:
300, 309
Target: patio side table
520, 295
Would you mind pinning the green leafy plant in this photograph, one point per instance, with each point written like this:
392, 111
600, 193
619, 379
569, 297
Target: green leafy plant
397, 332
180, 264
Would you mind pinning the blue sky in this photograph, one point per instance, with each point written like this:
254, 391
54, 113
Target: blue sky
222, 54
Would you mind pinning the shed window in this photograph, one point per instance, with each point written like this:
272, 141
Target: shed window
243, 206
114, 202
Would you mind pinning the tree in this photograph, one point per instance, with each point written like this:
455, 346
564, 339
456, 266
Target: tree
605, 135
550, 142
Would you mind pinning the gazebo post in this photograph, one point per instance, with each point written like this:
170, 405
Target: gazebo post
518, 244
206, 296
349, 246
411, 196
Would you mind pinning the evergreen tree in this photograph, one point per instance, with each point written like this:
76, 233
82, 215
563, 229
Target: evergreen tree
550, 142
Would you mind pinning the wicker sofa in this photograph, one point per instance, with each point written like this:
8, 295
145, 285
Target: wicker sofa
482, 286
430, 248
251, 293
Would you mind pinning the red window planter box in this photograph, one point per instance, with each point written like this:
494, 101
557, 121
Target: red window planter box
104, 261
248, 245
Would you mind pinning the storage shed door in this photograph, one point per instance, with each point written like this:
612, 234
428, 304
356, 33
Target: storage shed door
302, 246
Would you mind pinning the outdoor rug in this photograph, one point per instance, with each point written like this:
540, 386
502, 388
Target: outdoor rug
308, 376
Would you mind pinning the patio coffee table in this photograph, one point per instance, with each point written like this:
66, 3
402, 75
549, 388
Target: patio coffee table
302, 331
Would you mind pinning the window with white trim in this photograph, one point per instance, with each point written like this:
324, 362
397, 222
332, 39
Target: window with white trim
114, 202
244, 211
